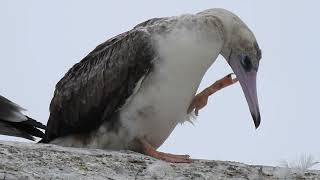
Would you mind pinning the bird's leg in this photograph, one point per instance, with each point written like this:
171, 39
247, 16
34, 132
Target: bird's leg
149, 150
201, 99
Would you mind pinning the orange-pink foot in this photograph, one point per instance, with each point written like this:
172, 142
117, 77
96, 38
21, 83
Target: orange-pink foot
201, 99
149, 150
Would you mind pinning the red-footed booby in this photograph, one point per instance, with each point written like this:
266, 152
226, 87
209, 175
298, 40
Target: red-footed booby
131, 91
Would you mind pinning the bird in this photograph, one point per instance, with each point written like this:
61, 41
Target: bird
131, 91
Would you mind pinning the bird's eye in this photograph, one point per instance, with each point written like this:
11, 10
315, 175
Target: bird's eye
246, 63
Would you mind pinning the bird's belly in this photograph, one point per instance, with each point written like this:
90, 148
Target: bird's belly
160, 103
154, 113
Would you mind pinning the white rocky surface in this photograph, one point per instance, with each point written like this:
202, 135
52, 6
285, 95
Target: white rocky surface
42, 161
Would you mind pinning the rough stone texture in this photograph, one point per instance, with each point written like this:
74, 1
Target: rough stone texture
39, 161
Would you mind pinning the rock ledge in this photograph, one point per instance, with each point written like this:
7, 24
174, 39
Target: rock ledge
42, 161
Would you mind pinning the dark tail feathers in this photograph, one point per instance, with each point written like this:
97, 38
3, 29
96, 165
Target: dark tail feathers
14, 123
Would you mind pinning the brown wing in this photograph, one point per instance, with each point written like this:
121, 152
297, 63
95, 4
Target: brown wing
94, 89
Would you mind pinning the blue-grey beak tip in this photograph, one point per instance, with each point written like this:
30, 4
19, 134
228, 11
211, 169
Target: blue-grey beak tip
256, 119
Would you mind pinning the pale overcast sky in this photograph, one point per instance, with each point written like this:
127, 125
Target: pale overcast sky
40, 41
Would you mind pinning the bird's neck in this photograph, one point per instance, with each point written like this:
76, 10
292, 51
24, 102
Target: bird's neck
197, 46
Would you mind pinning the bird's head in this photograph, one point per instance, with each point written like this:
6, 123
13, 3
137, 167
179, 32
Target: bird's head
243, 57
242, 53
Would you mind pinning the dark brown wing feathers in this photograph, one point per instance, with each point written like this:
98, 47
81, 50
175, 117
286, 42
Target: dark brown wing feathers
94, 89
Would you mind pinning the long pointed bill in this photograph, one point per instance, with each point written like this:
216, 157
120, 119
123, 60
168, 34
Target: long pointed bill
248, 84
